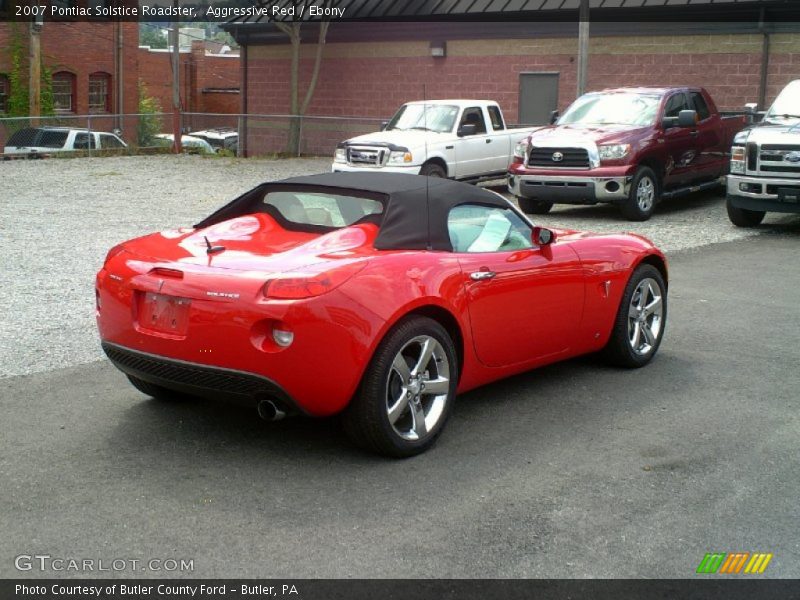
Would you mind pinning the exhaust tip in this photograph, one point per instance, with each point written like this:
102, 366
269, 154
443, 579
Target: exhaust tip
269, 411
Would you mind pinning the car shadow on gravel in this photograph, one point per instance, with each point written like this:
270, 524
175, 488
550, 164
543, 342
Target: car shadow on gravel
210, 431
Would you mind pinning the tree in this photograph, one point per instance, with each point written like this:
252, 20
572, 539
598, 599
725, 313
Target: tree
151, 34
149, 118
297, 109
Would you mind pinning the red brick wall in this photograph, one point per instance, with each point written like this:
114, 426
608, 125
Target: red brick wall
82, 49
373, 79
198, 71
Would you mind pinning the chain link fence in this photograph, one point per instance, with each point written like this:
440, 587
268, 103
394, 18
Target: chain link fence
253, 135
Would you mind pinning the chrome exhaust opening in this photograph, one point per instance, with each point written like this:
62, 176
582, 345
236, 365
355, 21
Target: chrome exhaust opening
269, 411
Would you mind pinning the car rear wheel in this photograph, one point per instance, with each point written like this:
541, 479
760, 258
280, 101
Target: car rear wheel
531, 206
741, 217
156, 391
643, 196
407, 391
641, 317
432, 170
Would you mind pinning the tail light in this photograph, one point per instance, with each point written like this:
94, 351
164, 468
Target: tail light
308, 285
165, 272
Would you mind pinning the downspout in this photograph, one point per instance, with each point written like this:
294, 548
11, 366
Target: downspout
765, 48
120, 87
243, 103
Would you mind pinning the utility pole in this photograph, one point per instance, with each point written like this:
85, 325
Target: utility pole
34, 71
583, 45
176, 78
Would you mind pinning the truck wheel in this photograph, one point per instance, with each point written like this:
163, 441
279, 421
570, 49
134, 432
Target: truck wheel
643, 196
432, 170
533, 207
741, 217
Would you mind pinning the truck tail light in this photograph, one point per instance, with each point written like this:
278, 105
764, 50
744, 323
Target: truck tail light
295, 286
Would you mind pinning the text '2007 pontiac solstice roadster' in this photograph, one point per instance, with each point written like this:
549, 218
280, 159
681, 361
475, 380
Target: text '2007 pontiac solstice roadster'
378, 296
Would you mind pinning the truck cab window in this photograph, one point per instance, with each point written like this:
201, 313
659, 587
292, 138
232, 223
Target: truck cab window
496, 118
700, 106
474, 116
675, 105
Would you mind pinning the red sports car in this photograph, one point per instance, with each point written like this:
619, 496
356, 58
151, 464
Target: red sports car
380, 296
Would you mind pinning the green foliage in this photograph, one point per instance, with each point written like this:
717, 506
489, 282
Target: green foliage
18, 94
150, 34
46, 103
18, 97
149, 117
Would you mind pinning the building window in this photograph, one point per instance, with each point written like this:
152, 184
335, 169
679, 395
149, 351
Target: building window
64, 92
99, 93
5, 89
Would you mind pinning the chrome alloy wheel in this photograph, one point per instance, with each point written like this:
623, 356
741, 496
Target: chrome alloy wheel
645, 194
417, 388
645, 316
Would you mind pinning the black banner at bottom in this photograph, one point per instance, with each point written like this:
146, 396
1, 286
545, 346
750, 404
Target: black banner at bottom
405, 589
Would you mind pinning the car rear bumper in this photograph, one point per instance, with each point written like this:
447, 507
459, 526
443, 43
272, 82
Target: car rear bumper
570, 189
764, 193
243, 388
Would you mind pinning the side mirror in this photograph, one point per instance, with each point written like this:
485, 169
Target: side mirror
467, 129
542, 236
384, 125
554, 117
687, 118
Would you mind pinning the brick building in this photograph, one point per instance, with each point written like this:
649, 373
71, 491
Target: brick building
369, 69
94, 66
96, 69
209, 81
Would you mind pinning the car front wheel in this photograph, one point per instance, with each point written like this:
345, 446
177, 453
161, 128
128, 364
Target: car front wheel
643, 196
641, 318
407, 391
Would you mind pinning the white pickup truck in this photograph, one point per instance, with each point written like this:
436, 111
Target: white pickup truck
460, 139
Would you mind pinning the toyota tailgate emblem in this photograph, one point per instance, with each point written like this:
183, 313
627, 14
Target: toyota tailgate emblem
557, 157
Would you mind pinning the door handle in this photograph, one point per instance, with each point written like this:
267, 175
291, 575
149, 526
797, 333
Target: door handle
488, 140
481, 275
694, 133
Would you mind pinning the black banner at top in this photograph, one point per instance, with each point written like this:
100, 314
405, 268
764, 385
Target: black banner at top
255, 12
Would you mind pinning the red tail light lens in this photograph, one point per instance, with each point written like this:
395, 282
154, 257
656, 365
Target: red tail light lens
308, 285
164, 272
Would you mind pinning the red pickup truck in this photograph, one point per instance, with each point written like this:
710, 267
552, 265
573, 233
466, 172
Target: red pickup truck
627, 146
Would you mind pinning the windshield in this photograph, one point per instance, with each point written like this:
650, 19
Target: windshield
616, 109
431, 117
787, 104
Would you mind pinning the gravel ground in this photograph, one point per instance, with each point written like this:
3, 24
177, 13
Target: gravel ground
59, 217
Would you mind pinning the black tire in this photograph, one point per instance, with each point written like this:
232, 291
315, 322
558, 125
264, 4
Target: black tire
640, 207
620, 348
366, 420
531, 206
742, 217
432, 170
156, 391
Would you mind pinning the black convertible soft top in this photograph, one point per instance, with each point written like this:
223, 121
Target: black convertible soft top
416, 207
